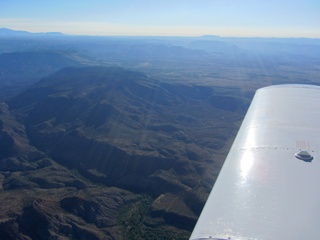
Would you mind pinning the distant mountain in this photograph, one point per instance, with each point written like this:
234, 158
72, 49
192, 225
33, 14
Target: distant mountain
210, 36
9, 32
122, 129
17, 33
19, 70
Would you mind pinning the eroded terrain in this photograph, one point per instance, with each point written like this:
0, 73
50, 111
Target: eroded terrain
124, 139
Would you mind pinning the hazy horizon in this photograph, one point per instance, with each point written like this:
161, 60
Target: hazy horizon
228, 18
124, 35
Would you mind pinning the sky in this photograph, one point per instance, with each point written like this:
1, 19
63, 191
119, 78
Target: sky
237, 18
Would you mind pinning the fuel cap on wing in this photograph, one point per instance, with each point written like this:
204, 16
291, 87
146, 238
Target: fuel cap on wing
304, 156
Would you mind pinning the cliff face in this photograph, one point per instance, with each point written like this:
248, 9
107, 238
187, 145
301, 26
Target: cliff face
121, 129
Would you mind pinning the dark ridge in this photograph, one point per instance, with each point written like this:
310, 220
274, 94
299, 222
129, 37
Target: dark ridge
20, 70
225, 102
6, 144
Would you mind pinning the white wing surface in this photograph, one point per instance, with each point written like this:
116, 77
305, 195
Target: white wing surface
269, 185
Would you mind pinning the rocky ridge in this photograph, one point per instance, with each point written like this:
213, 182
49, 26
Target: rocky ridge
154, 146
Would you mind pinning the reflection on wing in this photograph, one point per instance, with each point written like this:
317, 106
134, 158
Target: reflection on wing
268, 187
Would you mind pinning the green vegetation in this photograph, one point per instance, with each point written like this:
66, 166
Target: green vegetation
131, 218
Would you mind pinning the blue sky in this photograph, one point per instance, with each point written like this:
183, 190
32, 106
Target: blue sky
272, 18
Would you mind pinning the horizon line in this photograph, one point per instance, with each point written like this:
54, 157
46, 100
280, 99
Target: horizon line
58, 33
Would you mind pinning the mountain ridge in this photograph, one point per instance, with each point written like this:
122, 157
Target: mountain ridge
20, 33
119, 128
20, 70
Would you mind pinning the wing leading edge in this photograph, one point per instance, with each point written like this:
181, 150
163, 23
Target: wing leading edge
265, 190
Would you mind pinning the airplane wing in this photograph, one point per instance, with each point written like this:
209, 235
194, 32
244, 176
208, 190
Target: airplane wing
269, 185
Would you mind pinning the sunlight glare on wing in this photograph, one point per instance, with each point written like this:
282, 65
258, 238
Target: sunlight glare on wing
247, 160
246, 164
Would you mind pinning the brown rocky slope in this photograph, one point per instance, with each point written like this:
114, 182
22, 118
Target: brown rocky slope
113, 129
